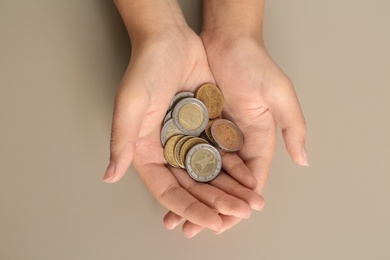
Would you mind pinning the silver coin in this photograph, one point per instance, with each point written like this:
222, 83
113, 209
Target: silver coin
203, 162
178, 97
190, 116
168, 130
168, 116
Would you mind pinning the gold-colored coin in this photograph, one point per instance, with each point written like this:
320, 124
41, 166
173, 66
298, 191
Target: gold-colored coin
227, 135
212, 97
169, 150
188, 144
207, 131
177, 149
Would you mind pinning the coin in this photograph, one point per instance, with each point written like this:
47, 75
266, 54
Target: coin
188, 144
207, 132
179, 96
169, 150
186, 119
203, 162
169, 129
168, 116
227, 135
177, 149
212, 97
190, 116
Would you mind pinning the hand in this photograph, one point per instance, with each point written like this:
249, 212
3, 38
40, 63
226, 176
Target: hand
161, 65
258, 95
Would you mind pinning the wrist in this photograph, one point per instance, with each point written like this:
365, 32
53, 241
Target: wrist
229, 42
145, 19
231, 19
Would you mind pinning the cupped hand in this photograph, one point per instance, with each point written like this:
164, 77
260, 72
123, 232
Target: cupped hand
258, 98
161, 66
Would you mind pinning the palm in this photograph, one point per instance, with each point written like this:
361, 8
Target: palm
245, 77
178, 64
258, 95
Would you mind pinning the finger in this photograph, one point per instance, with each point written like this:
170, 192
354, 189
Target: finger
236, 168
286, 109
259, 145
131, 105
227, 223
213, 197
227, 184
164, 187
172, 220
190, 229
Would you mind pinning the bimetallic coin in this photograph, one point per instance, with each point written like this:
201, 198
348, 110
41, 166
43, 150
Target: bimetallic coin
168, 116
178, 97
212, 97
169, 150
203, 162
177, 149
227, 135
190, 116
169, 129
187, 146
207, 132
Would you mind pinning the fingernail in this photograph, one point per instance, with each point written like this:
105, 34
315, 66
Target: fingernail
244, 215
109, 175
305, 160
258, 206
174, 225
219, 231
191, 235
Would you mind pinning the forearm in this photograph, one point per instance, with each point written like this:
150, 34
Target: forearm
144, 18
233, 17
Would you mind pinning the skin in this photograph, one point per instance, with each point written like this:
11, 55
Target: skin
167, 58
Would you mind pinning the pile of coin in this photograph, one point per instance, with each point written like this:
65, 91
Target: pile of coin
193, 130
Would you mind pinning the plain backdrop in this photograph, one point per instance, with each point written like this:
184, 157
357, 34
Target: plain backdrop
60, 64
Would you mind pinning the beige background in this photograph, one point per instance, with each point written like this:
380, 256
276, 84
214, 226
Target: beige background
60, 63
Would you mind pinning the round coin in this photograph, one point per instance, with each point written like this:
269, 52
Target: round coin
190, 116
177, 149
203, 162
227, 135
168, 116
212, 97
168, 130
169, 148
187, 146
207, 132
179, 96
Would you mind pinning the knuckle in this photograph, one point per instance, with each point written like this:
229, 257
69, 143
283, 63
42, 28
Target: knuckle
171, 189
190, 208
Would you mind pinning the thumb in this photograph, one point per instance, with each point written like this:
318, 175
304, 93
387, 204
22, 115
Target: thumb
131, 104
285, 107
